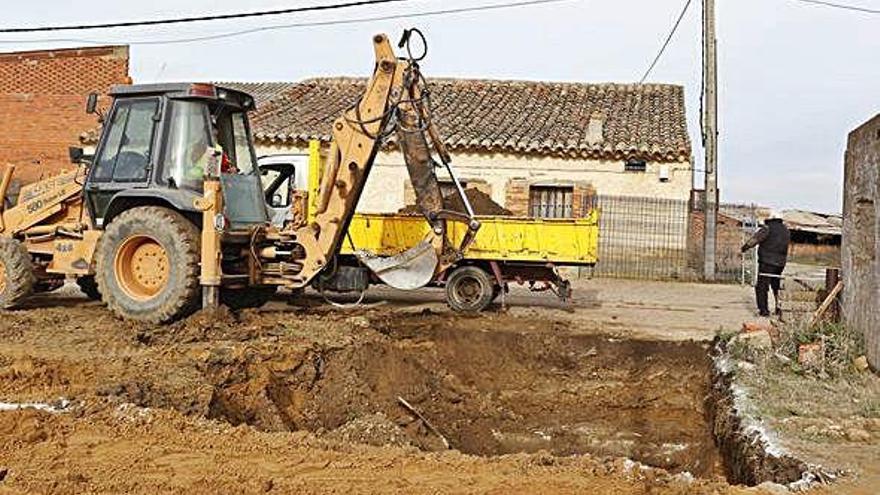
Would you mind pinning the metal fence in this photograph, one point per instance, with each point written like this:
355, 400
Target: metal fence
645, 238
662, 239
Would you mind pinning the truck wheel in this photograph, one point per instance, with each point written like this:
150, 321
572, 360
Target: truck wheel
147, 265
17, 277
469, 289
89, 286
251, 297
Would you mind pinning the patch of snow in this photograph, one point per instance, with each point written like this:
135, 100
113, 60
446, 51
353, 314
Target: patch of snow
543, 435
684, 477
61, 405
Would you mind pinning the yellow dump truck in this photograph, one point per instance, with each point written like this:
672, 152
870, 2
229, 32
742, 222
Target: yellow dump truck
506, 248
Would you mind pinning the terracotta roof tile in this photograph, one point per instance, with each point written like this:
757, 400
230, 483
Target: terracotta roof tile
645, 121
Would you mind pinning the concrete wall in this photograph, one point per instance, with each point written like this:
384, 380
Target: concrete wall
42, 103
861, 236
499, 174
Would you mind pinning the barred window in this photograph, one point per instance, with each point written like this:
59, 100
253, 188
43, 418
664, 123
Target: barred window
551, 201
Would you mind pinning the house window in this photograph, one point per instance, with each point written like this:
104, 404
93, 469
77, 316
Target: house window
551, 201
635, 166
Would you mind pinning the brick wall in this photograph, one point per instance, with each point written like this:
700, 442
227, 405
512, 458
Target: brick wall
42, 101
729, 238
517, 197
861, 236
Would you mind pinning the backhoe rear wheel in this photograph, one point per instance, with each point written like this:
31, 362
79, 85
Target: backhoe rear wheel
469, 289
147, 265
17, 277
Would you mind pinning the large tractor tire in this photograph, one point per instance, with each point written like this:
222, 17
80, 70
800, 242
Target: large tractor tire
250, 297
469, 289
17, 277
147, 265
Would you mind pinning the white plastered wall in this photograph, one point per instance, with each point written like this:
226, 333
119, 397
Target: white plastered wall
385, 188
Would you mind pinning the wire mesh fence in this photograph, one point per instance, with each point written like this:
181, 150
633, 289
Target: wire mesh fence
662, 239
645, 238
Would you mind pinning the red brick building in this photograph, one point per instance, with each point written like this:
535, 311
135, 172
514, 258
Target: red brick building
42, 101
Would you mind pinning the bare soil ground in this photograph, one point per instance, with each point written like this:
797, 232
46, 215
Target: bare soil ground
545, 398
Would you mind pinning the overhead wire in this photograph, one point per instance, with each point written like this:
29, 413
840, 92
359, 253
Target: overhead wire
182, 20
660, 53
334, 22
842, 6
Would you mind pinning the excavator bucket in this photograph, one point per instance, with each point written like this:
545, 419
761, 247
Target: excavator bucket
415, 267
411, 269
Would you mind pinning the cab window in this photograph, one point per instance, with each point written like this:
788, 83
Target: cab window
189, 145
127, 150
233, 134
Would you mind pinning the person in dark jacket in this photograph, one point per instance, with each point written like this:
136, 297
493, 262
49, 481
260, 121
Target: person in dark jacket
772, 240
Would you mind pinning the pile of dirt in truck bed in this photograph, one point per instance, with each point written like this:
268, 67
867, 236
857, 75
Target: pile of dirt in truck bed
481, 203
313, 399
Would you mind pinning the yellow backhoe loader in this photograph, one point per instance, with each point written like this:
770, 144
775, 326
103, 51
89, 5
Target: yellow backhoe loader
169, 215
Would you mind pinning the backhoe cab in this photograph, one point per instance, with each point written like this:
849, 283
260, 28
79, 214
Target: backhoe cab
156, 143
170, 213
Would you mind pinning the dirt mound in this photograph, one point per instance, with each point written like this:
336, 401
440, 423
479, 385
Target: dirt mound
204, 326
26, 426
481, 203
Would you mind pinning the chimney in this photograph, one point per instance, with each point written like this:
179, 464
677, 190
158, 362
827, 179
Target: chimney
595, 128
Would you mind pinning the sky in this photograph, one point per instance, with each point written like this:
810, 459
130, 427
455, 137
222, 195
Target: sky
794, 78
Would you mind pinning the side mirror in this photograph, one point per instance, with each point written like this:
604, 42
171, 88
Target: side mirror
76, 154
277, 201
92, 103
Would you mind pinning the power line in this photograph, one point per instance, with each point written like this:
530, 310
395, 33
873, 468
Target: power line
666, 43
841, 6
489, 7
181, 20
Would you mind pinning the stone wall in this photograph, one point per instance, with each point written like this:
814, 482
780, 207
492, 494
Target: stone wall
861, 236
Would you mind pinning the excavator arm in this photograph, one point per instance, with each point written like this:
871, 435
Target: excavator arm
396, 103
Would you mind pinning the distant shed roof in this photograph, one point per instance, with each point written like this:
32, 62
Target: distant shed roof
815, 223
606, 121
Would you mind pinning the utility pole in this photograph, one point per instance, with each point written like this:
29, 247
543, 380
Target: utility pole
710, 138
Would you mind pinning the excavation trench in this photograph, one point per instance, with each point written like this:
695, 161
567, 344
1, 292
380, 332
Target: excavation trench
487, 393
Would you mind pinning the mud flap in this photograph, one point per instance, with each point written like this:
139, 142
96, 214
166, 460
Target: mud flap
409, 270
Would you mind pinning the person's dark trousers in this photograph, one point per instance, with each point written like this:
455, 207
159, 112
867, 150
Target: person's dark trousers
764, 283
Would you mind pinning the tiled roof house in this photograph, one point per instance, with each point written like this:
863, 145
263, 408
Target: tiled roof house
525, 143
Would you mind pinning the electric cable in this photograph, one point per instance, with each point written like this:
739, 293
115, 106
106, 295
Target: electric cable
842, 6
278, 27
183, 20
666, 43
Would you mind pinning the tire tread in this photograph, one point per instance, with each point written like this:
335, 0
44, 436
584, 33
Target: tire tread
20, 277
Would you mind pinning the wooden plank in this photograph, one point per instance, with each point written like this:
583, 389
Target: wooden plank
826, 303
